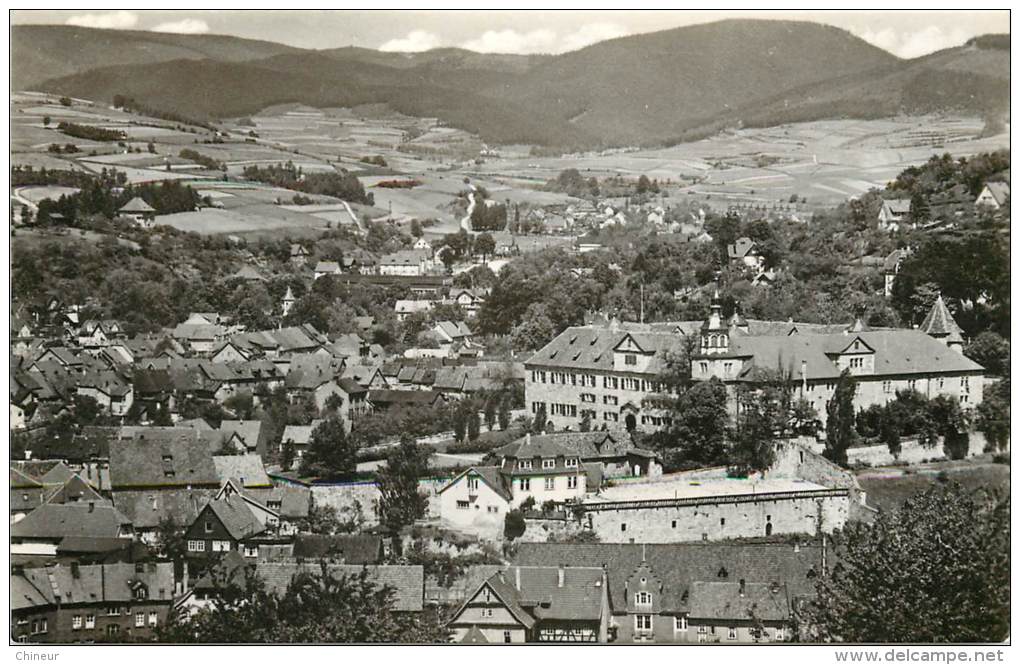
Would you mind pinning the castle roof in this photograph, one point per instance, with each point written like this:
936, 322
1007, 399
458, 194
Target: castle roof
939, 322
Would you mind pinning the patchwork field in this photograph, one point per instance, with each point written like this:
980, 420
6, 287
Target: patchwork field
822, 162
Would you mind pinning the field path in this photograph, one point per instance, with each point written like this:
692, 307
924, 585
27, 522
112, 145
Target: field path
354, 218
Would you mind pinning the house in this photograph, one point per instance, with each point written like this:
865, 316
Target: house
723, 592
448, 332
72, 603
199, 337
247, 436
994, 195
298, 254
421, 244
403, 308
248, 274
112, 392
892, 214
536, 604
891, 267
228, 524
323, 268
41, 531
352, 549
617, 455
138, 211
299, 437
407, 263
745, 252
478, 499
469, 300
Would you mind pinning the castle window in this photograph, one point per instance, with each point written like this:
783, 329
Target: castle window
704, 368
571, 482
525, 484
887, 387
642, 598
732, 634
550, 484
643, 623
680, 624
571, 462
965, 384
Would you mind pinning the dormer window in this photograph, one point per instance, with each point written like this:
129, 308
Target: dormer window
642, 598
549, 463
524, 464
140, 593
630, 359
571, 462
168, 459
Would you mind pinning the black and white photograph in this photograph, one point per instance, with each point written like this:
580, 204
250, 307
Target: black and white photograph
517, 327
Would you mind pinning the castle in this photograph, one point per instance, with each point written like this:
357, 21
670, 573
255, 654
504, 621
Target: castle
607, 371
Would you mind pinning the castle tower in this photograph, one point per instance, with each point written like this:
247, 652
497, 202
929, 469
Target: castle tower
940, 324
715, 337
288, 301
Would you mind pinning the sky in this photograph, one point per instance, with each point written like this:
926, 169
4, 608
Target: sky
908, 34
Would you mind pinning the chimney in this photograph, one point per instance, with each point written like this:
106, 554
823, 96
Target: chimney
517, 578
559, 576
92, 506
743, 588
75, 570
527, 439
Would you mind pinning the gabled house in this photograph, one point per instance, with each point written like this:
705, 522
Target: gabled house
227, 524
139, 211
298, 254
892, 213
323, 268
448, 332
115, 602
478, 499
745, 253
113, 392
469, 300
41, 531
536, 604
994, 195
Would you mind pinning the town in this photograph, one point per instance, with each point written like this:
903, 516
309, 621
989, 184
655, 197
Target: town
343, 374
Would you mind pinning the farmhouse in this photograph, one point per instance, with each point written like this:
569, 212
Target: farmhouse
893, 212
139, 211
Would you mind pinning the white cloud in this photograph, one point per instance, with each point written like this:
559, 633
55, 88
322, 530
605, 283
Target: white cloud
590, 34
543, 40
414, 42
511, 41
916, 42
188, 26
112, 20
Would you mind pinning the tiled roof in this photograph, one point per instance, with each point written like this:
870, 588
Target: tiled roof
358, 549
146, 509
540, 596
490, 475
236, 516
724, 600
300, 434
99, 583
56, 521
528, 447
404, 397
939, 321
999, 191
163, 457
295, 502
679, 565
897, 206
137, 205
247, 468
248, 431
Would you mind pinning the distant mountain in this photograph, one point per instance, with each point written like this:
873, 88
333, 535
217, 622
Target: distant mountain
40, 52
968, 78
644, 89
637, 88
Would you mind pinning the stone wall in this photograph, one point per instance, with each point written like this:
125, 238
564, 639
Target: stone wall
343, 496
716, 521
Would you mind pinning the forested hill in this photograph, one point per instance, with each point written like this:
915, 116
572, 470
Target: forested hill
643, 89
